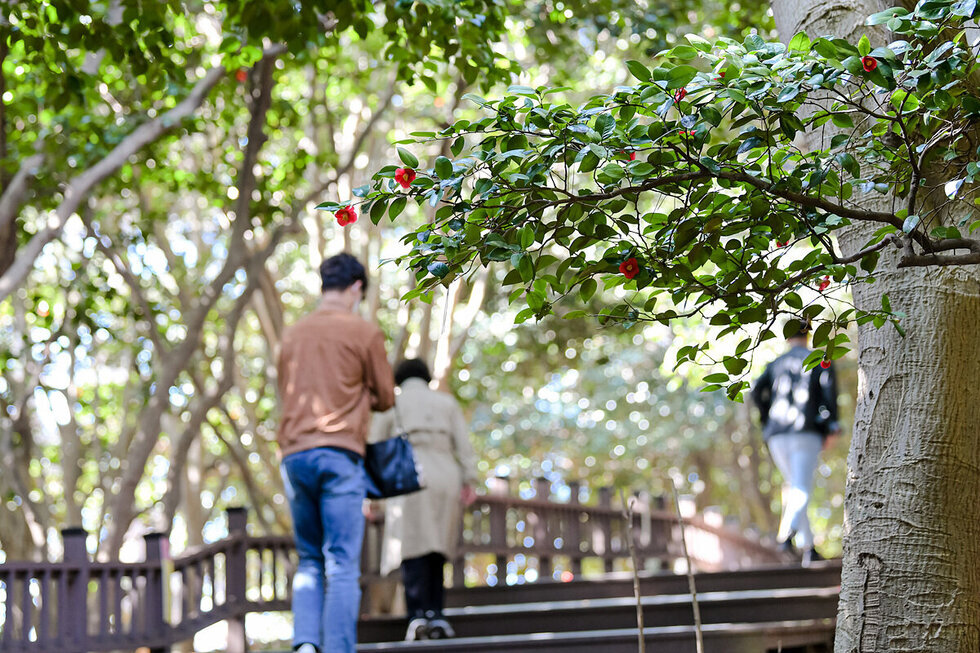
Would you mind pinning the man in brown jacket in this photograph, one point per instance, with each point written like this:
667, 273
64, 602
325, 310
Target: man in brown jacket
332, 372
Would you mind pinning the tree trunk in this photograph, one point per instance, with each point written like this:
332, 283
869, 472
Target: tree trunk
910, 580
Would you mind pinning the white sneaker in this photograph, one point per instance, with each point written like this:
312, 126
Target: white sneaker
418, 629
439, 628
306, 648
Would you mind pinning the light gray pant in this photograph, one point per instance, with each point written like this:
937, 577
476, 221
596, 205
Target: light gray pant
796, 456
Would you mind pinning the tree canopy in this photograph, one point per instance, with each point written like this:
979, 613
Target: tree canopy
157, 232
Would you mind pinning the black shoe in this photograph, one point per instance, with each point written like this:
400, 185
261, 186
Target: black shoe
418, 629
810, 556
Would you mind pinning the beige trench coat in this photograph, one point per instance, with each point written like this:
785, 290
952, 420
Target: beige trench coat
426, 521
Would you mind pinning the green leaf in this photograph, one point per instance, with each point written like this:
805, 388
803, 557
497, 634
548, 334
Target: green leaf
444, 168
378, 210
910, 223
438, 269
902, 100
952, 188
396, 207
800, 43
407, 157
864, 46
475, 98
526, 268
700, 43
683, 52
519, 89
641, 169
711, 164
680, 76
825, 49
821, 334
754, 42
527, 236
788, 93
587, 289
853, 65
849, 163
749, 144
883, 17
711, 114
605, 124
458, 146
638, 70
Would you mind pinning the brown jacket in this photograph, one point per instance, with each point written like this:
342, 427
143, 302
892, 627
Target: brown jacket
333, 371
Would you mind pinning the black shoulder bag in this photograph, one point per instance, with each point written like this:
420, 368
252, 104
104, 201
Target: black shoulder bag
391, 466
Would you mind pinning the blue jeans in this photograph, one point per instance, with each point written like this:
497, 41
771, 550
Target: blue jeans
325, 488
796, 456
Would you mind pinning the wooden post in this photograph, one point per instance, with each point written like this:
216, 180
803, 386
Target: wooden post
235, 580
573, 530
605, 527
543, 539
157, 551
73, 597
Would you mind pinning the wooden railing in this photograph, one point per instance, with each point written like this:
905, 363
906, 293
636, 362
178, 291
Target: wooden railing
79, 606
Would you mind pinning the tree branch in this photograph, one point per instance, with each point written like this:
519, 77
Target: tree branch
14, 193
924, 260
82, 184
134, 285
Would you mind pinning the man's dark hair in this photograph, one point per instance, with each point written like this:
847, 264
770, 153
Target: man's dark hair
340, 272
413, 368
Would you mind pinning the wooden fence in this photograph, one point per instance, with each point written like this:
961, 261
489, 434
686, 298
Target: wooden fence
82, 606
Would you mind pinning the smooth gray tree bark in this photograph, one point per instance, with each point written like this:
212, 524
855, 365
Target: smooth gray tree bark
911, 575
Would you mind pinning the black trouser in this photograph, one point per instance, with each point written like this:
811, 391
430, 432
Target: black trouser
422, 578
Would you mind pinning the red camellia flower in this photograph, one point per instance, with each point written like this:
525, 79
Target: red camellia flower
241, 75
405, 177
632, 156
679, 94
629, 268
346, 215
782, 243
824, 283
825, 364
869, 63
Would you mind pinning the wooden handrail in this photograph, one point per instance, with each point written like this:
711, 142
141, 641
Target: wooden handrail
245, 573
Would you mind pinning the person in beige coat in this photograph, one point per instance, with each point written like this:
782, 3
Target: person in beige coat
422, 529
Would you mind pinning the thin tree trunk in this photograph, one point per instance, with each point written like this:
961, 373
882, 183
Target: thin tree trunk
121, 504
193, 478
443, 363
424, 349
